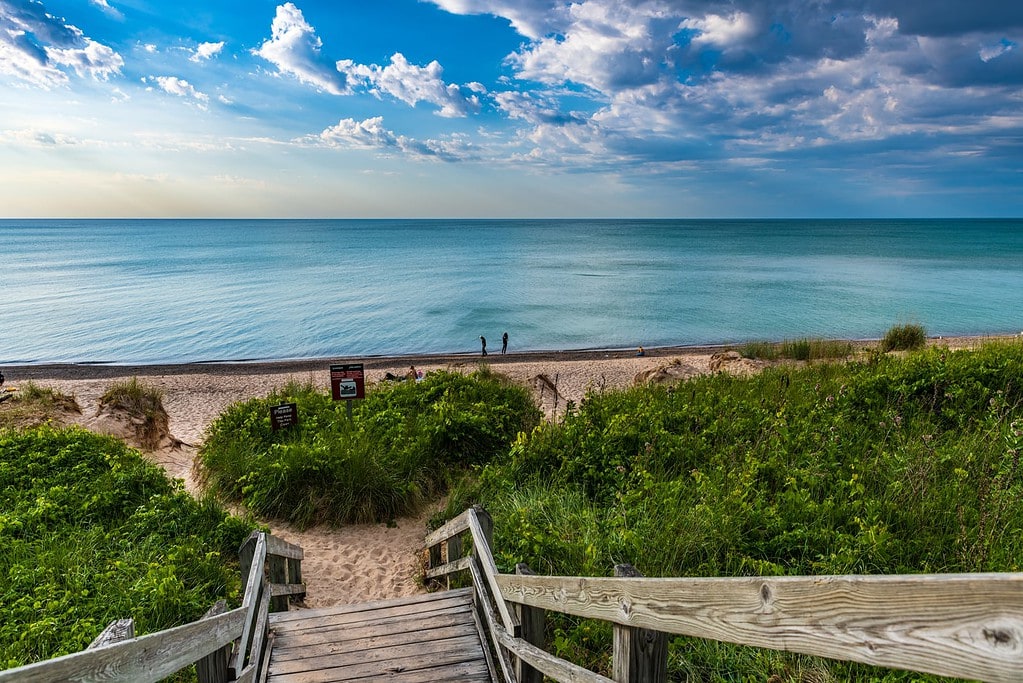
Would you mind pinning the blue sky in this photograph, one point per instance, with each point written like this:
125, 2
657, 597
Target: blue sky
511, 108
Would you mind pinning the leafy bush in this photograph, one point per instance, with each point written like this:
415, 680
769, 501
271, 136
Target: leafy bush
90, 532
904, 338
404, 442
899, 465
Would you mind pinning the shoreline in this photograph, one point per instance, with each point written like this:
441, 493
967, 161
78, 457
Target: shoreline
112, 370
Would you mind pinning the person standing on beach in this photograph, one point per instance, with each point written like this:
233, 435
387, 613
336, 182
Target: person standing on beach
504, 343
483, 340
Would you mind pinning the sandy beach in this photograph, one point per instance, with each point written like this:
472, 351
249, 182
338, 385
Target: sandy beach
362, 562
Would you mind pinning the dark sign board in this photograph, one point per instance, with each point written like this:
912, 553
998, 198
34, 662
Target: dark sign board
347, 381
283, 416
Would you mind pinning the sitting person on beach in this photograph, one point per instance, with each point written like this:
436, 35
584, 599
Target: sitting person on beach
640, 351
412, 374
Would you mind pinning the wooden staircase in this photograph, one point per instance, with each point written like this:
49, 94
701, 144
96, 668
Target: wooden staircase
430, 637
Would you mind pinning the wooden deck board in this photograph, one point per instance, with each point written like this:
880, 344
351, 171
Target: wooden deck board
425, 638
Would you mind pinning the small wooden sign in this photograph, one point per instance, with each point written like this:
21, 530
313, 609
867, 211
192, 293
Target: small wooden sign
283, 416
347, 382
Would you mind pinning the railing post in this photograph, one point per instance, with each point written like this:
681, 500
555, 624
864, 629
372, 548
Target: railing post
486, 523
213, 667
295, 575
532, 620
115, 632
640, 655
246, 553
455, 551
277, 572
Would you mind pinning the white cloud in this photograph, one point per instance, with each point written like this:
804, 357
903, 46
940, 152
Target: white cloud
35, 45
370, 134
989, 52
206, 51
412, 84
172, 85
294, 49
722, 31
106, 7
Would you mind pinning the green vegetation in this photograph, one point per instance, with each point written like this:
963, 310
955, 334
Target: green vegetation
90, 532
895, 465
798, 349
402, 446
904, 338
145, 404
33, 405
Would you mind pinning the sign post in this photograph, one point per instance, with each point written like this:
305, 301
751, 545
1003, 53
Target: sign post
283, 416
347, 383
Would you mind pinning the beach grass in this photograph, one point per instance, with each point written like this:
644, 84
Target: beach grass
805, 349
92, 532
402, 446
909, 337
34, 405
886, 465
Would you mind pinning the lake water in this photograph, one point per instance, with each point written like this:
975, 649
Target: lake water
154, 291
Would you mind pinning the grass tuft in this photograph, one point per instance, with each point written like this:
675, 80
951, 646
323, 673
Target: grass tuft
909, 337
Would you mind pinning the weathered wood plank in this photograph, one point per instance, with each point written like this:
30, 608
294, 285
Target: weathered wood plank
374, 605
147, 659
484, 602
459, 565
546, 663
278, 589
533, 620
251, 600
639, 655
959, 625
281, 548
369, 619
458, 525
424, 650
377, 642
481, 549
409, 624
421, 662
115, 632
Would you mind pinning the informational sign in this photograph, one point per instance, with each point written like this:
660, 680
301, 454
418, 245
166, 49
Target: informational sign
283, 416
347, 382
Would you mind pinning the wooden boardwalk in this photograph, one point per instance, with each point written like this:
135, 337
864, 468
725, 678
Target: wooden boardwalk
430, 637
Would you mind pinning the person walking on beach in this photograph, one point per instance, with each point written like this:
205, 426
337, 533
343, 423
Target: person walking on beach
483, 340
504, 343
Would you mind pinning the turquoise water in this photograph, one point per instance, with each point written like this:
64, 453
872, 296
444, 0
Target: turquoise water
195, 290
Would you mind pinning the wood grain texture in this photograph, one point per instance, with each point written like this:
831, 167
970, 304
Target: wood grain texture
427, 638
962, 625
147, 659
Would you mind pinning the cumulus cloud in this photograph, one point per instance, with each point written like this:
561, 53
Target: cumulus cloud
294, 48
371, 134
751, 77
412, 84
206, 51
172, 85
106, 7
39, 48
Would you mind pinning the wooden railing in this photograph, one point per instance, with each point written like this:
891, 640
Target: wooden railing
224, 645
957, 625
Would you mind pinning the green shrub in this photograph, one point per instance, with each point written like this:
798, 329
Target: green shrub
405, 442
90, 532
901, 465
904, 338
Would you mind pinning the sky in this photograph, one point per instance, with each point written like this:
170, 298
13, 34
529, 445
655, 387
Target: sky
511, 108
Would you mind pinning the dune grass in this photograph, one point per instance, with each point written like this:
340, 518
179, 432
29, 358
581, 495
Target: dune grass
798, 349
890, 465
91, 532
403, 445
33, 405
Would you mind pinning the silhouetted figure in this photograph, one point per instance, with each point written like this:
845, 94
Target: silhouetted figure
483, 341
1, 378
504, 343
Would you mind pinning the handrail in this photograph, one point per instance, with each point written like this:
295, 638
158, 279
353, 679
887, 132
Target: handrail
959, 625
155, 656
